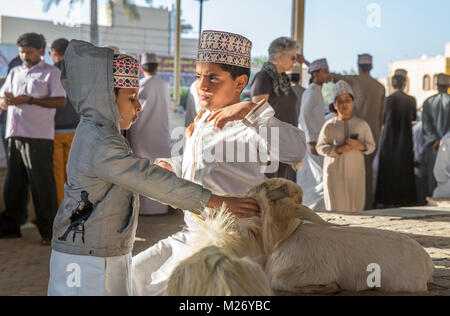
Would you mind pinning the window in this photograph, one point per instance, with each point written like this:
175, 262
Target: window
435, 82
426, 83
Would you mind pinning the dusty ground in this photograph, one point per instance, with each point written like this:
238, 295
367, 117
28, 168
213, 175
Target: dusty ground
24, 263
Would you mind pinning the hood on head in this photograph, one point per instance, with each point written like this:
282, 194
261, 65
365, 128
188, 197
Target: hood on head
87, 77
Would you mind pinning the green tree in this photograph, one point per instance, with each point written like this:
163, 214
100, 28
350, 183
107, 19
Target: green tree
129, 6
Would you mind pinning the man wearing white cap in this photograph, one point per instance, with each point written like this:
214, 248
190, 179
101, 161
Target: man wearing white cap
344, 141
149, 137
436, 123
311, 120
370, 97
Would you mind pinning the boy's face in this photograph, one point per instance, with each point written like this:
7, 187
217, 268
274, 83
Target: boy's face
216, 88
344, 105
129, 106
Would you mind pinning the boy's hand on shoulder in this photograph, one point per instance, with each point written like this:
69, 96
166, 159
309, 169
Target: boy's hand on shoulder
235, 112
164, 165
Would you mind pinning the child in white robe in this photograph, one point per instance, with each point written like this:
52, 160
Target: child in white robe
230, 161
344, 140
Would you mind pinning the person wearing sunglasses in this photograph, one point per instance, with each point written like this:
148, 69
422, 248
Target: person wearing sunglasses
273, 84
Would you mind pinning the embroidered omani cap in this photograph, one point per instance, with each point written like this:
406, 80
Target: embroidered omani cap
342, 87
401, 72
224, 48
125, 71
318, 64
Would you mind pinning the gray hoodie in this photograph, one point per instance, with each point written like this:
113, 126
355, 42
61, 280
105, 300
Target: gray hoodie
98, 216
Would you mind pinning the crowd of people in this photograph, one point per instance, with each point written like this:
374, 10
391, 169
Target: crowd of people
90, 139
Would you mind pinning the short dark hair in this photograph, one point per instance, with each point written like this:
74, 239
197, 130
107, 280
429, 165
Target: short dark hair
150, 67
331, 108
235, 71
312, 76
366, 67
31, 40
60, 45
398, 81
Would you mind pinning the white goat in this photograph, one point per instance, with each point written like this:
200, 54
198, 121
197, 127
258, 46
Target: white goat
303, 253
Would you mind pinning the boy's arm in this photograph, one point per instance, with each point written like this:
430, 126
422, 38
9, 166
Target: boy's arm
368, 140
325, 145
285, 138
174, 162
115, 163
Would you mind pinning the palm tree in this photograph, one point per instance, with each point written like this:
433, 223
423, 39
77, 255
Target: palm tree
129, 6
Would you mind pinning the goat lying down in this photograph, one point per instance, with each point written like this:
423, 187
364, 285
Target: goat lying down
302, 253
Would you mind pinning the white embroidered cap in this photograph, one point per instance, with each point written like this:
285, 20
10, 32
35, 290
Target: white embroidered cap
342, 87
443, 80
148, 58
401, 72
318, 64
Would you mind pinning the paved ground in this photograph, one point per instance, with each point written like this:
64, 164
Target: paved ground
24, 263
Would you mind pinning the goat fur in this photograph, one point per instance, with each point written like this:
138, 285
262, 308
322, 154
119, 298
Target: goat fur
303, 253
211, 271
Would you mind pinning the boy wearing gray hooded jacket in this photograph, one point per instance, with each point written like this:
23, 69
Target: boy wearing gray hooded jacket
94, 229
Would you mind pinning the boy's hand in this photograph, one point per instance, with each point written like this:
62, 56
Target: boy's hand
356, 144
235, 112
343, 148
312, 148
436, 145
239, 207
164, 165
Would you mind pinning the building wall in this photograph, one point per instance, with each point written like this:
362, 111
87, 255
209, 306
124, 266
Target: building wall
417, 70
150, 33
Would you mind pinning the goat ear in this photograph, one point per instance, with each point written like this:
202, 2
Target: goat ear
290, 228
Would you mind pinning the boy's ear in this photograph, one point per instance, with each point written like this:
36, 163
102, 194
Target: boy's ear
241, 82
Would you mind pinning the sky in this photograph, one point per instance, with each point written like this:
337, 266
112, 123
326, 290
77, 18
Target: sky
390, 30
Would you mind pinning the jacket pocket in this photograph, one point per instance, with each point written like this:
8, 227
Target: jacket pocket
130, 217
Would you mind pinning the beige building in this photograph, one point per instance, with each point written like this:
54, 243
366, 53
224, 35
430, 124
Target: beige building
422, 74
152, 32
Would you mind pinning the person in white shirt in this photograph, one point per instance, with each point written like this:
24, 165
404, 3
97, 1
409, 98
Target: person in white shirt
149, 137
230, 161
311, 120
